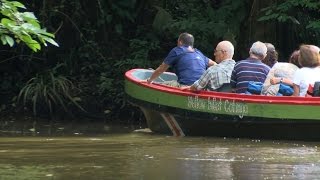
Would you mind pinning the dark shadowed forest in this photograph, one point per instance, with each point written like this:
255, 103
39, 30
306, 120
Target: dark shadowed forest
100, 40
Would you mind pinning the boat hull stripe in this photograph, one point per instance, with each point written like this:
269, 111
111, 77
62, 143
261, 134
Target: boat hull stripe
173, 124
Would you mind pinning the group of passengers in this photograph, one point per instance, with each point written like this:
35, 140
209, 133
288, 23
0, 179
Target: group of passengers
195, 71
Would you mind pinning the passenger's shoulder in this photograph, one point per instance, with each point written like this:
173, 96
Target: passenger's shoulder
229, 61
178, 50
197, 51
284, 65
241, 62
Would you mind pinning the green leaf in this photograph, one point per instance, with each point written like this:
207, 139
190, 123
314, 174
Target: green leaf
6, 21
294, 20
23, 25
29, 15
51, 41
28, 26
268, 12
47, 34
34, 45
34, 23
18, 4
42, 40
9, 40
3, 39
6, 12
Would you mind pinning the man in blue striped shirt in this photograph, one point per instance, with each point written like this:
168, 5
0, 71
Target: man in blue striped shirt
250, 69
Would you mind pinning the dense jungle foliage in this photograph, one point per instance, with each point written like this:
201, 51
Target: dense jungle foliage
100, 40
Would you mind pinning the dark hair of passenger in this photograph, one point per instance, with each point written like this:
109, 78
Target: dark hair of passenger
294, 58
308, 57
272, 55
186, 39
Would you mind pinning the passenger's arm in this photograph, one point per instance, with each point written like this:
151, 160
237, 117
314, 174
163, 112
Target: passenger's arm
202, 82
162, 68
296, 90
192, 88
183, 88
286, 81
269, 77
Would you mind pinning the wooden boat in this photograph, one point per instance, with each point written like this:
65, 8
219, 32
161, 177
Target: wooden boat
169, 110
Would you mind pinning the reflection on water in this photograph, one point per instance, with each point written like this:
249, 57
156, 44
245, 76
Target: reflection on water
149, 156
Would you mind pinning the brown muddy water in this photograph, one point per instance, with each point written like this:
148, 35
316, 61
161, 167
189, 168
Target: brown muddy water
95, 150
142, 155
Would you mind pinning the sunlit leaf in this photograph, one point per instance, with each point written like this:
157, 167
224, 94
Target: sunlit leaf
9, 40
23, 25
51, 41
3, 39
18, 4
34, 23
6, 21
29, 15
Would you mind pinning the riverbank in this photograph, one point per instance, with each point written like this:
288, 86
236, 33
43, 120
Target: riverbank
25, 125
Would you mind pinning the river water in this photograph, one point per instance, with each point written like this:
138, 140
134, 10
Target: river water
143, 155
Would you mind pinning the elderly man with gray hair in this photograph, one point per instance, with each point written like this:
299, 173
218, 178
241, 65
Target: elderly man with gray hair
250, 69
215, 77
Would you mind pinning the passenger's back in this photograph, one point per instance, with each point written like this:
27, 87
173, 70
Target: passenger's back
248, 70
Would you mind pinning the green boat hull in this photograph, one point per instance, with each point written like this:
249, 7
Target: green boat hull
169, 110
